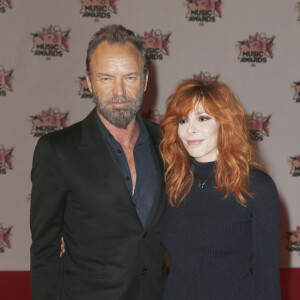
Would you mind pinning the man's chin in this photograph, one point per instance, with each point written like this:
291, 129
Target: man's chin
117, 119
122, 125
119, 114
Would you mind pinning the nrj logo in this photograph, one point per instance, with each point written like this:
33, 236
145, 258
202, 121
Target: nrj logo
259, 126
51, 41
5, 236
294, 240
256, 49
84, 91
5, 80
5, 4
296, 87
98, 8
205, 77
6, 157
203, 11
295, 165
157, 44
48, 121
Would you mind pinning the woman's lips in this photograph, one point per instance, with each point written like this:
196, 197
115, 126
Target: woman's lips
194, 142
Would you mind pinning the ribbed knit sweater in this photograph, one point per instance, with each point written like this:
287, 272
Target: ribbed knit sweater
214, 242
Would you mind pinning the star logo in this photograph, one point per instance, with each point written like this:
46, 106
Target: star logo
203, 6
99, 6
6, 157
5, 4
256, 48
157, 44
294, 161
48, 121
205, 77
84, 91
153, 115
297, 7
296, 87
5, 236
259, 125
51, 41
6, 77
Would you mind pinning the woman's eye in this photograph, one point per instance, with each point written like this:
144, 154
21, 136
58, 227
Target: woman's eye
182, 121
204, 118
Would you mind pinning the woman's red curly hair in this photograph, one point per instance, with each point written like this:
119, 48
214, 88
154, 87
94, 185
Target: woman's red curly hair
235, 150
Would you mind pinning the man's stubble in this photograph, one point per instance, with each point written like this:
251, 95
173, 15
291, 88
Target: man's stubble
119, 116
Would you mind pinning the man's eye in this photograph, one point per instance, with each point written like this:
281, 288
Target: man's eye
131, 78
105, 79
182, 121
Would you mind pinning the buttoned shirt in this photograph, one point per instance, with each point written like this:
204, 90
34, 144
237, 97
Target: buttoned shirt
146, 173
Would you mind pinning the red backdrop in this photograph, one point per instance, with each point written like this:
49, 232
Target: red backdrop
16, 285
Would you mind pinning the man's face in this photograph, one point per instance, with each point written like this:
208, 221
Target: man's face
117, 82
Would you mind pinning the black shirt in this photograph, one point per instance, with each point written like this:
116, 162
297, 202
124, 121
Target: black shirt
146, 176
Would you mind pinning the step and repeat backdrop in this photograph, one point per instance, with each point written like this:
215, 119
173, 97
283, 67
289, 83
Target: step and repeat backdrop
254, 46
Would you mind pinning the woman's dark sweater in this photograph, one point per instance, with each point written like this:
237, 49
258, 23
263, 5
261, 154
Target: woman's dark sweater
214, 242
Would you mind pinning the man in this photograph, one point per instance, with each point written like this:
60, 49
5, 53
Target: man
98, 183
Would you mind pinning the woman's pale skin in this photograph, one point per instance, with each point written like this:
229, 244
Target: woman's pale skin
199, 135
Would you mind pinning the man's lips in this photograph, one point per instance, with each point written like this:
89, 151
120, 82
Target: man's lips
194, 142
119, 103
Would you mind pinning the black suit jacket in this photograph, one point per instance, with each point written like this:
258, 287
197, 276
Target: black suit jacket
78, 191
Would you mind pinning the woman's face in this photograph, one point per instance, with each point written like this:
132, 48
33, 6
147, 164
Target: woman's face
199, 135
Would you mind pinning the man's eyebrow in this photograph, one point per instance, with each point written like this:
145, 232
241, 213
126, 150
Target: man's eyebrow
132, 73
109, 75
103, 74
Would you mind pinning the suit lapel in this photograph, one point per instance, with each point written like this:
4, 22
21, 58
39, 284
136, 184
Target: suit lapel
95, 150
157, 203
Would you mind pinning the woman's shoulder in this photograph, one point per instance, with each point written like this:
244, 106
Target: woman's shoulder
261, 184
260, 177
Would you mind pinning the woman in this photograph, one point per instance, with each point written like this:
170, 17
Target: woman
222, 220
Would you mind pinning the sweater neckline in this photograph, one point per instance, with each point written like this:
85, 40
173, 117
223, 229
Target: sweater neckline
203, 170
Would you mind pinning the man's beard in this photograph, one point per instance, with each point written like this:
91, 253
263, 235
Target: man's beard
119, 116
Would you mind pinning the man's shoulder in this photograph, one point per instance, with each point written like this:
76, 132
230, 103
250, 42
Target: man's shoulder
69, 133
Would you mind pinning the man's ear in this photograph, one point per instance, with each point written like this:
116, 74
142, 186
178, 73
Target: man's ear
146, 81
89, 82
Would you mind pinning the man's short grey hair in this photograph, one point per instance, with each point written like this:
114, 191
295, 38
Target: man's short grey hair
115, 34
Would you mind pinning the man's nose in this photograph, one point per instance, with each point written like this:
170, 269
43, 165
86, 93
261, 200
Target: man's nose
119, 89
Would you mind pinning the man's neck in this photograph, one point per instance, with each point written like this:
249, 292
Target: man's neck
126, 137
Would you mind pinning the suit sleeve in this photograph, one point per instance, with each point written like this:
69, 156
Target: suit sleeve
266, 239
48, 197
